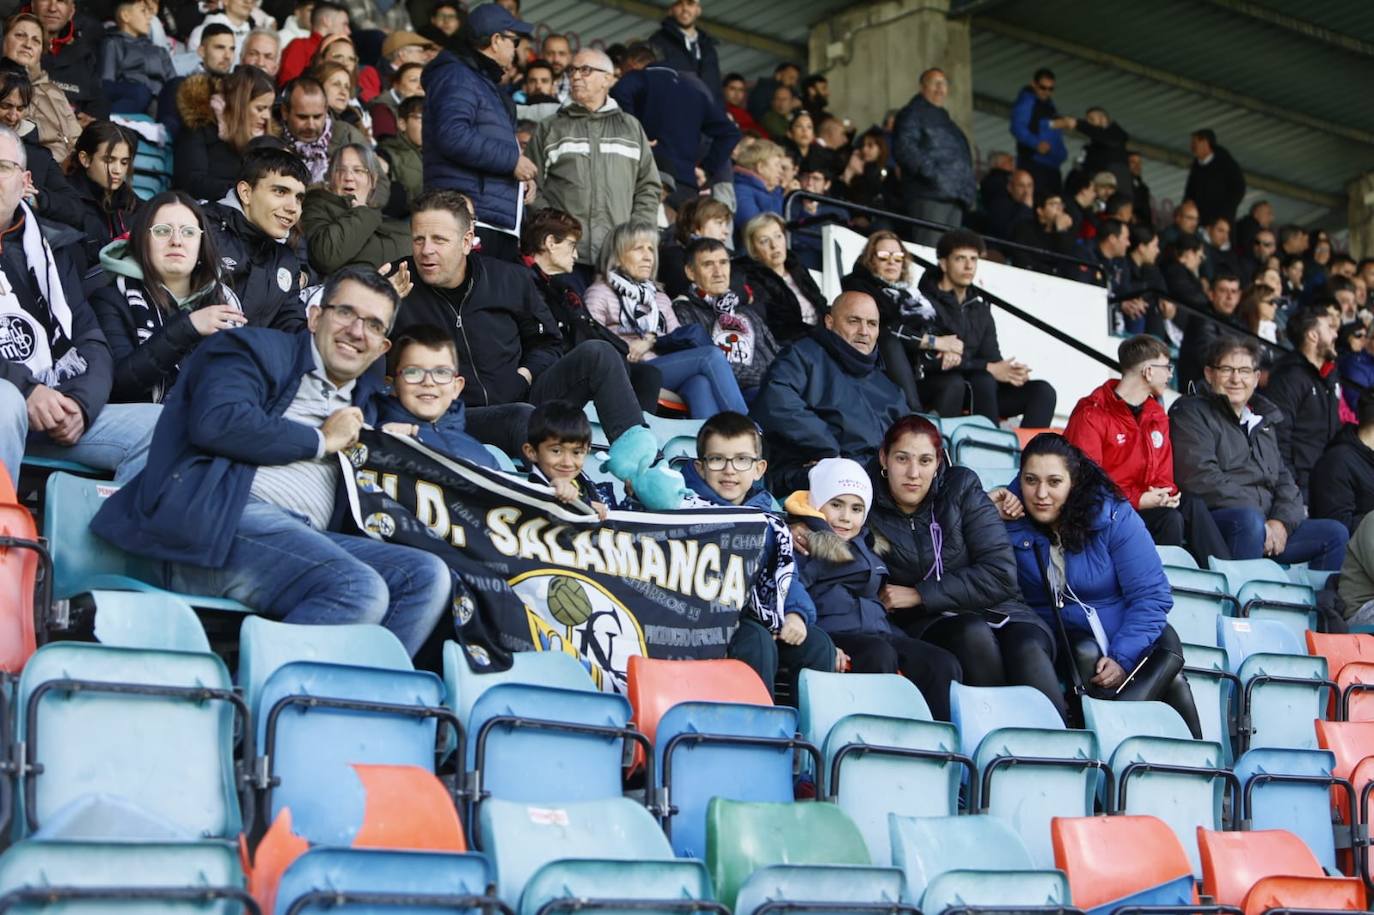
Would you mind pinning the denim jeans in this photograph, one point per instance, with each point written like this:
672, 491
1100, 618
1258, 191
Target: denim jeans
703, 378
118, 439
288, 571
1320, 541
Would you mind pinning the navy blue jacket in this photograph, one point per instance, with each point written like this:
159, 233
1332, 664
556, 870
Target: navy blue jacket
222, 420
934, 154
679, 112
1118, 573
846, 593
469, 136
751, 199
449, 434
671, 45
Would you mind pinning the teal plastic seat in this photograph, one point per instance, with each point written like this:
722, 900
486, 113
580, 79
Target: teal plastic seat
665, 430
53, 464
85, 564
1198, 581
556, 669
377, 881
874, 730
580, 838
1238, 572
1214, 694
135, 619
599, 440
948, 424
979, 446
971, 861
1194, 617
503, 460
992, 477
1290, 603
1284, 688
1001, 728
1291, 789
34, 875
167, 748
1171, 555
842, 886
1160, 769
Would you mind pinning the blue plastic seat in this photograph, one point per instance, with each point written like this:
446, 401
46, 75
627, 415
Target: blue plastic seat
179, 878
554, 669
137, 619
376, 881
503, 460
972, 861
948, 424
160, 735
1291, 789
1176, 556
1215, 693
1160, 770
1003, 729
1197, 581
554, 851
1284, 689
85, 564
1239, 572
1290, 603
875, 729
992, 477
1194, 617
665, 430
975, 445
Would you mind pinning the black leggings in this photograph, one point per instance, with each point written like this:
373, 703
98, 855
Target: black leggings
1160, 677
1017, 654
931, 668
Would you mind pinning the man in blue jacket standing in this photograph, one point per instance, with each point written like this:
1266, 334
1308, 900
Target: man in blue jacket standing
469, 128
1036, 123
238, 498
937, 165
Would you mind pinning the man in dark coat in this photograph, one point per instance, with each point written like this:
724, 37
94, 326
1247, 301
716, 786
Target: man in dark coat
469, 128
1346, 472
937, 166
682, 46
1106, 149
72, 59
1202, 330
826, 395
1308, 399
1215, 182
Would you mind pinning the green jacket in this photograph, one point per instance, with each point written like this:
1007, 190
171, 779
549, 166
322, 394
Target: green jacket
597, 166
345, 134
1356, 586
407, 165
338, 234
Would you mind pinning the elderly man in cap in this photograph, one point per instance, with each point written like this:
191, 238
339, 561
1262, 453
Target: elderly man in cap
404, 55
469, 128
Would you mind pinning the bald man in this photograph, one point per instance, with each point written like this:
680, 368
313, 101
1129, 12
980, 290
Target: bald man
595, 161
826, 396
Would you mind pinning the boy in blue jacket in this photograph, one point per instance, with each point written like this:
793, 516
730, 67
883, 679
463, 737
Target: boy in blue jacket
423, 402
844, 576
729, 471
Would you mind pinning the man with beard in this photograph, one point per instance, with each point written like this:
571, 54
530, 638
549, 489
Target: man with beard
1309, 400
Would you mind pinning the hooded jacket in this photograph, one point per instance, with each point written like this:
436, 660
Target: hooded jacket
265, 273
146, 345
407, 163
498, 324
1311, 408
449, 433
102, 222
338, 234
469, 135
934, 154
1219, 461
1117, 573
1136, 453
971, 321
1346, 475
743, 335
699, 58
842, 577
597, 166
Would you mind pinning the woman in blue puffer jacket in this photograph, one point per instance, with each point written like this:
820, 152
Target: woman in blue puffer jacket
1103, 572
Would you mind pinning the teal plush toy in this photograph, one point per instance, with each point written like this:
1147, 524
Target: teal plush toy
631, 458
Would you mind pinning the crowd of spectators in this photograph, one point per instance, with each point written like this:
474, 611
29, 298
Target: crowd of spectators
466, 237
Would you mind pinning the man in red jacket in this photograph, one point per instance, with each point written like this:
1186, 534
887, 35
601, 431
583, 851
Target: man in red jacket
325, 19
1122, 426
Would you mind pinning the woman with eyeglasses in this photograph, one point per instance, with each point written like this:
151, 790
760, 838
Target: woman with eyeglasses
100, 171
1258, 310
342, 220
908, 343
166, 297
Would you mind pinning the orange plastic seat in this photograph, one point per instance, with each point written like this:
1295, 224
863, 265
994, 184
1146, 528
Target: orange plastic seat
1025, 435
277, 849
407, 808
18, 576
1340, 651
656, 685
1351, 742
1233, 862
1089, 851
1326, 894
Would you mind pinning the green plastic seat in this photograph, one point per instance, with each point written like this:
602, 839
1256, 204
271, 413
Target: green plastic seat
817, 884
48, 866
742, 837
971, 861
1176, 556
1131, 733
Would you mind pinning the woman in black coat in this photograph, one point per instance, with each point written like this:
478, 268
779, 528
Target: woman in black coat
951, 571
771, 271
101, 175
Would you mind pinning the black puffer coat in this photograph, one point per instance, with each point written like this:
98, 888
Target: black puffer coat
1345, 476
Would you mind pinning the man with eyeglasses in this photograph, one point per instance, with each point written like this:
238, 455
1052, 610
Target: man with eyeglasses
55, 365
469, 130
1037, 127
1122, 426
1308, 396
1203, 329
595, 161
240, 495
1227, 453
1263, 246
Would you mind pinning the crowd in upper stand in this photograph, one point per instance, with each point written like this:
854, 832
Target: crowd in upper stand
414, 215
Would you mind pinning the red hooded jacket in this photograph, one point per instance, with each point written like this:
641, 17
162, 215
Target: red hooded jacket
1137, 455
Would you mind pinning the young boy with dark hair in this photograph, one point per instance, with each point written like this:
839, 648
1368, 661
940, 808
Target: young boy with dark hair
557, 442
728, 470
132, 68
424, 402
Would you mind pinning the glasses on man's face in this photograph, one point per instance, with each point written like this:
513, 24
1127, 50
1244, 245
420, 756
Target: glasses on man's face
1357, 334
1045, 87
740, 462
1243, 372
345, 315
163, 231
585, 71
413, 374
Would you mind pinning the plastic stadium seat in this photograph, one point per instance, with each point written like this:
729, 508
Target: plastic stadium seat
875, 729
585, 848
1284, 688
1356, 686
555, 669
1176, 556
1032, 768
21, 558
1271, 868
948, 424
1342, 651
330, 879
1025, 433
741, 838
1190, 580
1155, 872
1194, 617
1240, 572
503, 460
1215, 693
837, 888
1352, 744
85, 564
178, 878
1263, 591
134, 619
971, 861
978, 446
1291, 789
407, 807
1160, 770
656, 685
155, 728
680, 446
992, 477
666, 430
